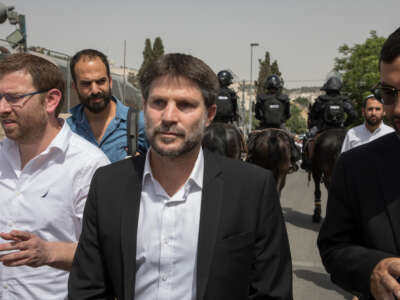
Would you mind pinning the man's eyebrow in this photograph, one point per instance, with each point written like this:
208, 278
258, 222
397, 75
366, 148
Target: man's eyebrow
386, 85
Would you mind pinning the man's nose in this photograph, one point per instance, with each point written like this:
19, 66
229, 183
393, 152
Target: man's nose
94, 88
170, 113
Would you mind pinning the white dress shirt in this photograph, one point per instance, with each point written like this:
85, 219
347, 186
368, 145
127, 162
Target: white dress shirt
359, 135
167, 237
47, 199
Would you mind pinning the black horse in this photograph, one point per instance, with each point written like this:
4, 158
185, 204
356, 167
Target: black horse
270, 149
324, 153
224, 139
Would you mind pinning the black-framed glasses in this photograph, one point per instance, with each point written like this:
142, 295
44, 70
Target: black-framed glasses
386, 94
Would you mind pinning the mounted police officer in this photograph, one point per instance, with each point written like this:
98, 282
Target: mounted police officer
273, 110
227, 99
328, 111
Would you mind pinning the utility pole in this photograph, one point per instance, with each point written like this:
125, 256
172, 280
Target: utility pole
252, 45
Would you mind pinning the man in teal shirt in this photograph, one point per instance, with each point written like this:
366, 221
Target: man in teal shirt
100, 118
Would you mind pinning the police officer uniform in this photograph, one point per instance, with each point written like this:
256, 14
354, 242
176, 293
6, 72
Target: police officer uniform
328, 111
273, 110
226, 100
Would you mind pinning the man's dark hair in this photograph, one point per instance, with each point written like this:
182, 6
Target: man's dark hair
371, 96
182, 65
91, 54
45, 75
391, 48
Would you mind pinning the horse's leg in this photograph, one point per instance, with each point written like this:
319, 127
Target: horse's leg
316, 218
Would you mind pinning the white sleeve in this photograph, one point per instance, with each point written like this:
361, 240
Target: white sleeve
82, 184
346, 143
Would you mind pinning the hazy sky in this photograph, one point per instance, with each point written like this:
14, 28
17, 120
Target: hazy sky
302, 35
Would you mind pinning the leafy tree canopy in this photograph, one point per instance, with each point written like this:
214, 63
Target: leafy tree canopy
360, 68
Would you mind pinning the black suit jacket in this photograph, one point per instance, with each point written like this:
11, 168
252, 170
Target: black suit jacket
243, 250
362, 224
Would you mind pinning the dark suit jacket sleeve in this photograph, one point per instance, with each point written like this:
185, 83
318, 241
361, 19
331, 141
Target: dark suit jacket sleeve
272, 272
87, 278
341, 245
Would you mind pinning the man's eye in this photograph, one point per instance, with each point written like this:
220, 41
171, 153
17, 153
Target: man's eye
101, 81
12, 98
85, 84
185, 105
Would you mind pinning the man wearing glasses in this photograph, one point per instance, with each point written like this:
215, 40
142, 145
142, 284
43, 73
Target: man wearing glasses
359, 241
45, 171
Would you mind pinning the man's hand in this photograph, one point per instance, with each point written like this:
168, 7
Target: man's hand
383, 283
33, 251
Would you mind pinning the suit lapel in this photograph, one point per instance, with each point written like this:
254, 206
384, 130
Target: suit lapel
129, 223
209, 220
389, 166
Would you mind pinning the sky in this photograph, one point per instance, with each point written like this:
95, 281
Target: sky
303, 36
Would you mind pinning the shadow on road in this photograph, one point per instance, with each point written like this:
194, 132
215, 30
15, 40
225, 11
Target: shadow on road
321, 280
300, 219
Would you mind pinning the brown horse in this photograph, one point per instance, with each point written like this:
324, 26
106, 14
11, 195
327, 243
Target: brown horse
324, 151
270, 149
224, 139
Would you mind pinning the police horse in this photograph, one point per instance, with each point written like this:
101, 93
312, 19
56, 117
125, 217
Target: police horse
225, 139
324, 151
270, 148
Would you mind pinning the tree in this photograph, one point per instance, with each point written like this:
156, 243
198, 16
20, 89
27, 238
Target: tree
275, 69
149, 54
296, 123
266, 69
158, 48
263, 73
360, 68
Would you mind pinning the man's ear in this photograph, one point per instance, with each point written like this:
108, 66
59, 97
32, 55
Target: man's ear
211, 111
52, 100
74, 86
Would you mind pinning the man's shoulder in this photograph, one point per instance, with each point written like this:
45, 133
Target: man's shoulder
81, 147
375, 148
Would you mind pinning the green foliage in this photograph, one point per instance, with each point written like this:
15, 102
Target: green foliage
149, 54
266, 69
360, 67
296, 123
158, 48
302, 101
275, 68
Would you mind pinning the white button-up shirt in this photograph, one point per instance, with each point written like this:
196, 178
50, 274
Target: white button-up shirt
47, 199
359, 135
167, 237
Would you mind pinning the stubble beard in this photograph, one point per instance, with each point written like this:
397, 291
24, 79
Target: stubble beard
30, 128
373, 123
192, 138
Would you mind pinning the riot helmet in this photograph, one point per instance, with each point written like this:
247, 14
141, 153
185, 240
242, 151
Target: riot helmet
225, 78
273, 82
333, 82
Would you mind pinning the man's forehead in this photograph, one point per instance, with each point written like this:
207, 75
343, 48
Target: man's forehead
174, 82
16, 77
390, 73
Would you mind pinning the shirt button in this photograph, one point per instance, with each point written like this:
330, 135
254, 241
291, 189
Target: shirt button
166, 242
10, 223
5, 286
164, 278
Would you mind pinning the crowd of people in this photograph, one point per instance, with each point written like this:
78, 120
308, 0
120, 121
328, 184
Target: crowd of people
82, 217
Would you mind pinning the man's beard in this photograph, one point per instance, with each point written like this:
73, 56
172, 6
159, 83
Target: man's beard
96, 107
192, 138
30, 127
372, 122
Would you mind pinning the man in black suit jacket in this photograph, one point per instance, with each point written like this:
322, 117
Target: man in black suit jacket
359, 241
242, 250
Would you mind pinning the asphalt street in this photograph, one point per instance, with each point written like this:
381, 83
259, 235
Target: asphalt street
310, 280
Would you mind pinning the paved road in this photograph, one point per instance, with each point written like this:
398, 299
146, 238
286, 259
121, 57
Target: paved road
310, 281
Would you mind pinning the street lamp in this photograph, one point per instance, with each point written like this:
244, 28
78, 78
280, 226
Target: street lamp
251, 82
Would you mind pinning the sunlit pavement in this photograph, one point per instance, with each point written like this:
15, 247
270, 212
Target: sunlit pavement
310, 280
